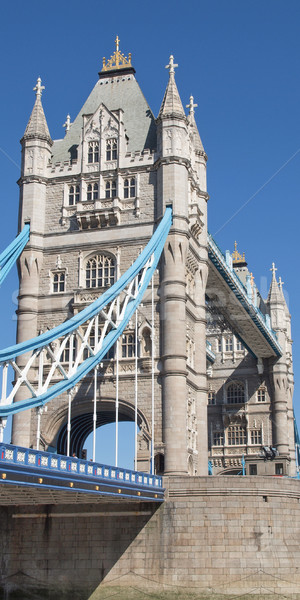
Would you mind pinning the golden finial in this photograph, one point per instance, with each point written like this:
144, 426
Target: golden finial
117, 60
236, 256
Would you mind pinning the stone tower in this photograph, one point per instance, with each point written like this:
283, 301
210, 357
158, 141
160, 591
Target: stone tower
93, 200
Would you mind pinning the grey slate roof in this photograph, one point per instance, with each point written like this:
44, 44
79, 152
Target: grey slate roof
37, 124
114, 92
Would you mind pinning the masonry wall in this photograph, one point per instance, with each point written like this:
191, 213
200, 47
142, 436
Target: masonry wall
214, 537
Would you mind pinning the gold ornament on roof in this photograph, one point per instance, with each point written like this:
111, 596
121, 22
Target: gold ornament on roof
236, 256
117, 60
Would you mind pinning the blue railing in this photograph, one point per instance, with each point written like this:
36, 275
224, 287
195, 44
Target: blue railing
219, 260
210, 355
66, 465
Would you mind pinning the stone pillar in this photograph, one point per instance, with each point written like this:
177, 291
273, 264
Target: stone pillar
280, 408
200, 368
173, 323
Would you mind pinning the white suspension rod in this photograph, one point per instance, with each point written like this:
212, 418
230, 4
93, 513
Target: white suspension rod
152, 375
69, 423
95, 413
136, 390
117, 399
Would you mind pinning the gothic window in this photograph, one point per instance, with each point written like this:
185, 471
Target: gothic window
65, 355
228, 344
58, 282
111, 189
256, 437
128, 345
235, 393
92, 191
218, 438
74, 194
100, 271
112, 149
236, 435
261, 394
129, 188
93, 152
211, 397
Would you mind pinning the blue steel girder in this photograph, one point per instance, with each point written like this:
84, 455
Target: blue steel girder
116, 306
227, 292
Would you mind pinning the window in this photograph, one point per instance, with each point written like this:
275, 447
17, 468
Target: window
218, 438
92, 191
128, 345
93, 341
228, 344
236, 435
256, 437
129, 188
211, 397
65, 355
235, 393
93, 152
261, 394
59, 282
252, 469
111, 189
111, 149
219, 344
279, 469
100, 271
239, 345
74, 194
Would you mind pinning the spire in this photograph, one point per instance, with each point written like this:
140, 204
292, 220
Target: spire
171, 104
117, 62
37, 125
195, 133
275, 292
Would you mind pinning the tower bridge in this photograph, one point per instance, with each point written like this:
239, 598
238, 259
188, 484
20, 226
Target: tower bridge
128, 310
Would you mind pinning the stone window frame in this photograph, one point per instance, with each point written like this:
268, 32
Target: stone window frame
111, 266
61, 275
93, 152
111, 188
130, 188
92, 191
218, 437
111, 149
211, 398
73, 194
127, 344
228, 343
261, 394
92, 341
233, 395
256, 436
236, 434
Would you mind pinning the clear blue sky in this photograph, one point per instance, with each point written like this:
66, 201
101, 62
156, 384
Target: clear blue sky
240, 61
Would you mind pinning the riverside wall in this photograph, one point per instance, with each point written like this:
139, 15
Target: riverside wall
213, 537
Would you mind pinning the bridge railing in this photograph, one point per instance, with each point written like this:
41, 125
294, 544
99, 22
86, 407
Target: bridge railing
27, 457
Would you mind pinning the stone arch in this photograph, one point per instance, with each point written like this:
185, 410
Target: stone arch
191, 468
146, 341
82, 423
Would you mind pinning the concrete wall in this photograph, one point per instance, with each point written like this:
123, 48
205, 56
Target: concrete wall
214, 537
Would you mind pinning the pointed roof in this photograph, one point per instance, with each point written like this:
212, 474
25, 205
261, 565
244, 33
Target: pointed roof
275, 295
37, 125
193, 127
171, 104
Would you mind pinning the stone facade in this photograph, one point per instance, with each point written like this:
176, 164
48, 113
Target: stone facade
214, 537
93, 200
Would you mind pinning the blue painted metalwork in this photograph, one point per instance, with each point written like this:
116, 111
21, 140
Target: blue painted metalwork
210, 355
9, 256
297, 447
243, 464
218, 259
148, 259
210, 468
56, 471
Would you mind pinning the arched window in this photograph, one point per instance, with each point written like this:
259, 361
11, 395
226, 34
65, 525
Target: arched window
235, 393
92, 191
100, 271
74, 192
112, 149
129, 188
146, 342
93, 152
111, 189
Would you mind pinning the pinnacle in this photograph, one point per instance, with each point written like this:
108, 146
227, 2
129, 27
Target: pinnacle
37, 125
171, 104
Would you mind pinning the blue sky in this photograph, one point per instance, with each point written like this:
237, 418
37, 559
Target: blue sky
240, 61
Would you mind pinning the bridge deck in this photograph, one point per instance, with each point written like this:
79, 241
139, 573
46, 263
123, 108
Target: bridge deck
29, 476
